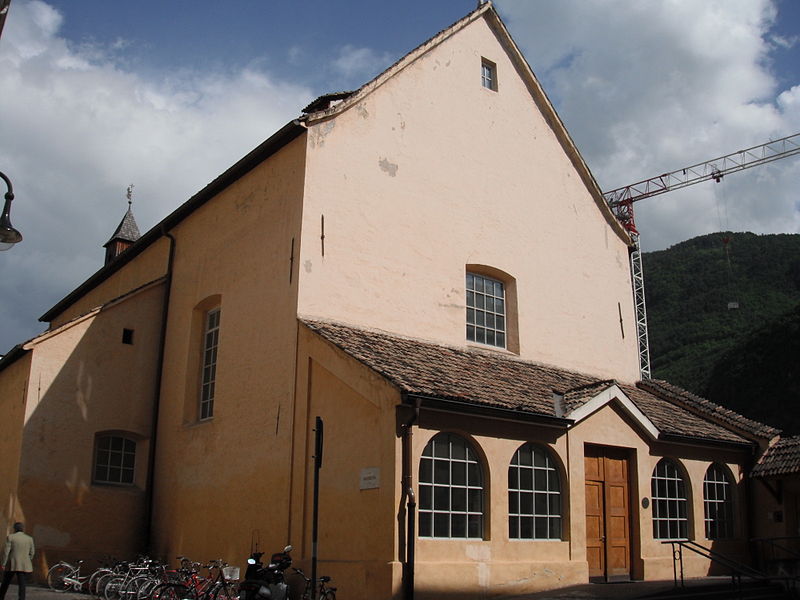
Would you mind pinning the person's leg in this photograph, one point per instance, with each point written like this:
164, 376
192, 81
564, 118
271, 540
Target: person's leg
21, 581
7, 575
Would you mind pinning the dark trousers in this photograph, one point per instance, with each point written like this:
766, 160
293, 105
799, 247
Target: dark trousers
7, 576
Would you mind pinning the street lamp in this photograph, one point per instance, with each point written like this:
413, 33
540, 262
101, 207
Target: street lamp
8, 235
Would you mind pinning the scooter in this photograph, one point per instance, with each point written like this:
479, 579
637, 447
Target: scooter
266, 583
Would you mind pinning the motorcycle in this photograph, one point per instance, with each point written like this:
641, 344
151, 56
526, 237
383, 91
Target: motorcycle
266, 583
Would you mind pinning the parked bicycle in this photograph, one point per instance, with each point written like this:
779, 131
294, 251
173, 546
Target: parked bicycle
323, 593
63, 576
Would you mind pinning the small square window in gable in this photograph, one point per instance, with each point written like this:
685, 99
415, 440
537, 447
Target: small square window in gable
488, 74
127, 336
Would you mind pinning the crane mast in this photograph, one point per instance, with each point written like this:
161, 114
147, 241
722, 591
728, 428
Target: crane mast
621, 202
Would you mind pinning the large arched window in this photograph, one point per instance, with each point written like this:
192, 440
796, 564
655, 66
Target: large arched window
534, 495
718, 503
670, 503
450, 489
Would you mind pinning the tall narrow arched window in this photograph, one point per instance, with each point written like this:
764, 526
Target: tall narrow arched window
670, 503
718, 503
534, 495
450, 489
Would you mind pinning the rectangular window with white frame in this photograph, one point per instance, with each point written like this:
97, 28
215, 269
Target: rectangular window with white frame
488, 75
209, 374
486, 310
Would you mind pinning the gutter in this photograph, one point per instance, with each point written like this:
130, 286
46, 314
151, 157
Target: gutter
407, 433
151, 459
493, 412
695, 441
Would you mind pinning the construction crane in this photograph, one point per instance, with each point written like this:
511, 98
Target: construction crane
621, 202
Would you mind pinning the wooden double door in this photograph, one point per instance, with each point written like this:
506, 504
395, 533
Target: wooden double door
608, 543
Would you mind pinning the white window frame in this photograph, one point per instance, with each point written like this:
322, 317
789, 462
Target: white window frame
669, 496
486, 310
534, 495
718, 518
488, 74
451, 490
114, 460
208, 377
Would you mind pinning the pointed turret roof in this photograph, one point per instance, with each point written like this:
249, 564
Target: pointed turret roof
127, 230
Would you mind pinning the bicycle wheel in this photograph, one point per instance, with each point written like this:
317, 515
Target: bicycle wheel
329, 595
130, 591
146, 589
56, 577
102, 582
114, 587
173, 591
91, 585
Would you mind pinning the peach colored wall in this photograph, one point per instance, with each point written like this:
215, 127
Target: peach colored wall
148, 266
431, 172
358, 536
497, 564
224, 481
14, 383
84, 380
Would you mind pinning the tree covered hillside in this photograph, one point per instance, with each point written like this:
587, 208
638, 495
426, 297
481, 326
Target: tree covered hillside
744, 358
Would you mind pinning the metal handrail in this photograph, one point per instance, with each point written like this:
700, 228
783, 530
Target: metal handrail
738, 570
773, 544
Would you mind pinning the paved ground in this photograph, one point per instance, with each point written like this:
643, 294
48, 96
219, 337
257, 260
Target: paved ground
589, 591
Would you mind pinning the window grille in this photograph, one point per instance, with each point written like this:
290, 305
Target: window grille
534, 495
114, 460
209, 377
450, 489
670, 505
718, 503
486, 310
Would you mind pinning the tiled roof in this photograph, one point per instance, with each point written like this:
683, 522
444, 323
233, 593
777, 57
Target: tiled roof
782, 458
704, 407
494, 379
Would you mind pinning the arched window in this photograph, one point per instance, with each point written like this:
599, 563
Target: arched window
718, 503
114, 459
534, 495
670, 505
450, 489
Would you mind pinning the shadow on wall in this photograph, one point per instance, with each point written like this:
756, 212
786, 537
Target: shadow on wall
85, 441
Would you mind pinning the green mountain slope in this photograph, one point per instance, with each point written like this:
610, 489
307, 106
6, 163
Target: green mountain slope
692, 291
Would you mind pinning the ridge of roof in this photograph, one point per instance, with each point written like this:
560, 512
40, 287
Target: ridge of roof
781, 458
697, 404
493, 379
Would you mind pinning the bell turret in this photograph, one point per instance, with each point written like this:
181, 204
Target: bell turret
126, 234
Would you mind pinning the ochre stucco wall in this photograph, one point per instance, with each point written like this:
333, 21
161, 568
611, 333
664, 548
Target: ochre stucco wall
224, 481
83, 380
432, 172
14, 383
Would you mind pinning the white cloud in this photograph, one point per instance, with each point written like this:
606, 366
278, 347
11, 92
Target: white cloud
77, 128
649, 87
359, 65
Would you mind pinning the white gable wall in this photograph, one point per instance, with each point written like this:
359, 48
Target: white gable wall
431, 172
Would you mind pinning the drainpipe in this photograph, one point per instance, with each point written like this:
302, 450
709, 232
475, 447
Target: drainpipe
411, 503
151, 461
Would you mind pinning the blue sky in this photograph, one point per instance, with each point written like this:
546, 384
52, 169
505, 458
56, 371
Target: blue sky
98, 94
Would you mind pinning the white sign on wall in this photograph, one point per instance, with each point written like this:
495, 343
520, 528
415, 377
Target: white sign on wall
370, 478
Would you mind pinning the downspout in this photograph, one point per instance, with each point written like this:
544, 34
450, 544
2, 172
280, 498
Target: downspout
411, 503
151, 459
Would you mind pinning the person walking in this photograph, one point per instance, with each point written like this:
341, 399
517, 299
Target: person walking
17, 560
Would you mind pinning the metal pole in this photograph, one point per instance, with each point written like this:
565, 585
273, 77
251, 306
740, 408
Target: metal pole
318, 440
